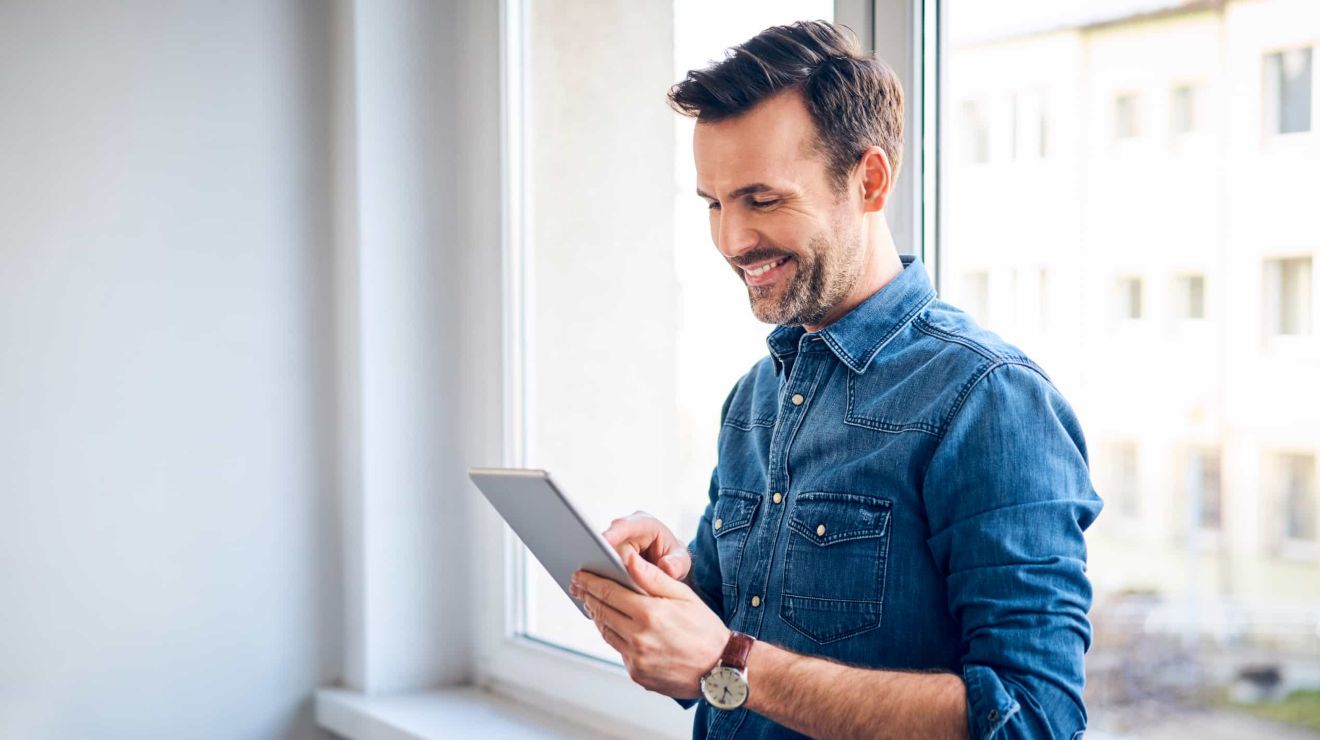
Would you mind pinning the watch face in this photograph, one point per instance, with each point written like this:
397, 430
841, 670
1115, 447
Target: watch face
725, 688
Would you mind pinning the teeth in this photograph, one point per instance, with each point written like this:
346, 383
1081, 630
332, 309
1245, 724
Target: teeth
763, 269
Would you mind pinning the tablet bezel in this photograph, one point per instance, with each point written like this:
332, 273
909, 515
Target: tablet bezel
541, 479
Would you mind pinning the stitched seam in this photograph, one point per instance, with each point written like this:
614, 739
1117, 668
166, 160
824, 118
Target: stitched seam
911, 315
971, 384
787, 488
852, 418
747, 426
931, 330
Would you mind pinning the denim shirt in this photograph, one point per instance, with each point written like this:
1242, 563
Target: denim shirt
904, 490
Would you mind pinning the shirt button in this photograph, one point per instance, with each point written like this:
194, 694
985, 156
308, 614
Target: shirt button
798, 399
779, 497
719, 523
756, 601
820, 530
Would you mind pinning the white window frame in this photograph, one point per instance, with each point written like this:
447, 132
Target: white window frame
587, 690
1268, 117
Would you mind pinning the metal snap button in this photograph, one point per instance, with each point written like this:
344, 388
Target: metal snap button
719, 523
820, 530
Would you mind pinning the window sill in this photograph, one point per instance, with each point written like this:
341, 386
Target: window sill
446, 713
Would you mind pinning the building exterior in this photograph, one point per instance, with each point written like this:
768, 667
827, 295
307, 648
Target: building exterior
1133, 200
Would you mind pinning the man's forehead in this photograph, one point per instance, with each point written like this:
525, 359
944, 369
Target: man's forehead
768, 144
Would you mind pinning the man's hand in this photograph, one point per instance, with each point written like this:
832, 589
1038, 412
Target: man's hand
668, 639
645, 534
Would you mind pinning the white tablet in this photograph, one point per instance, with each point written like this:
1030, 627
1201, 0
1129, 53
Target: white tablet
551, 527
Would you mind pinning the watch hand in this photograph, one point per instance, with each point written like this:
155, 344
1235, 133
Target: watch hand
726, 693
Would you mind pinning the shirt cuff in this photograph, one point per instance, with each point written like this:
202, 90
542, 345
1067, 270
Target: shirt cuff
989, 705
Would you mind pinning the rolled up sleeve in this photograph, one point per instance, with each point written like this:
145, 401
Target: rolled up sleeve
1008, 496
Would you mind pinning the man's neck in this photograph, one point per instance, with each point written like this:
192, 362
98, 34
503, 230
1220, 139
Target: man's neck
882, 266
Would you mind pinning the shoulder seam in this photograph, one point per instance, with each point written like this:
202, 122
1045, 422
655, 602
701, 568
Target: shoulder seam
925, 327
966, 391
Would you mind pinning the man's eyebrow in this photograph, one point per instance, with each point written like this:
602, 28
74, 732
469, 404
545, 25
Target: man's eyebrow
756, 187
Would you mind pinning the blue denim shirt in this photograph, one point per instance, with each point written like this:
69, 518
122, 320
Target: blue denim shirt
904, 490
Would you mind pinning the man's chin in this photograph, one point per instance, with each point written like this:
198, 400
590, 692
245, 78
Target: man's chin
768, 310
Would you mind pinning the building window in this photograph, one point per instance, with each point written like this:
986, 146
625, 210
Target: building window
976, 295
1042, 296
1189, 296
1182, 110
1029, 128
1297, 496
1123, 476
1128, 297
976, 133
1205, 495
1125, 117
1287, 296
1288, 91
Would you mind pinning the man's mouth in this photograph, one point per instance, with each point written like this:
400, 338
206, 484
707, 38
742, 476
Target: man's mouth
764, 272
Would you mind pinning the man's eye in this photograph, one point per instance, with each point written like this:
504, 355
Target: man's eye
764, 203
713, 206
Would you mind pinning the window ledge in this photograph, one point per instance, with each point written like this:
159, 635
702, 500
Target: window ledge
430, 715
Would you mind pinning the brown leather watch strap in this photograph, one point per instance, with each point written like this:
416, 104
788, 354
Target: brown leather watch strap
736, 651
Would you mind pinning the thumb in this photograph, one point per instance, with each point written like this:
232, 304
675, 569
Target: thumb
675, 564
653, 580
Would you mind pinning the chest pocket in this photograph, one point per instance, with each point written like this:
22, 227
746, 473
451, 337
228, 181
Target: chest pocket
734, 512
834, 569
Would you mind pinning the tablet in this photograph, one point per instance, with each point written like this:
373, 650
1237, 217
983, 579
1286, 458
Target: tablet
551, 527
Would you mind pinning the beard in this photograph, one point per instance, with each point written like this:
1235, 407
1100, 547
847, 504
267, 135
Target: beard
825, 273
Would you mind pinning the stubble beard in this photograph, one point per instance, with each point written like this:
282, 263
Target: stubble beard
825, 273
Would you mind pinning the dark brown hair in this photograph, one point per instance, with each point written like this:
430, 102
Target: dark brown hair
855, 100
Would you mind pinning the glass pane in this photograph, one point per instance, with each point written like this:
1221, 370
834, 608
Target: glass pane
1158, 201
637, 329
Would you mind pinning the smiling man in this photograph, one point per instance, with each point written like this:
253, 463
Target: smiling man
894, 542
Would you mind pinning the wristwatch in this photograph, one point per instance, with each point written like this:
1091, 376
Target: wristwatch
725, 687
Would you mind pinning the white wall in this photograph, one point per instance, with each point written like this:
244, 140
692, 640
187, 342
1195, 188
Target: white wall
169, 555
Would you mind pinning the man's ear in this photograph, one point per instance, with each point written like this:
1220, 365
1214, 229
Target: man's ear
877, 180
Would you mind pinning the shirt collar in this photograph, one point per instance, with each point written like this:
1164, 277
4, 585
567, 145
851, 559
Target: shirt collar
861, 333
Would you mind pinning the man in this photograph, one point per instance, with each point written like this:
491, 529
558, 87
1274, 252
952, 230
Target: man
893, 545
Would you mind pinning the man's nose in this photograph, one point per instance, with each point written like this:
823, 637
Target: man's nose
734, 236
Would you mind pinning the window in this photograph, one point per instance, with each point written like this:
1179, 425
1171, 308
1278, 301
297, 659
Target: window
1182, 110
1122, 475
1086, 220
976, 295
1287, 296
1029, 129
1128, 298
1189, 296
1205, 496
1288, 91
633, 327
1296, 489
976, 133
1125, 117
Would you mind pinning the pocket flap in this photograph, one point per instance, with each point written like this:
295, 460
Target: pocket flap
734, 510
827, 518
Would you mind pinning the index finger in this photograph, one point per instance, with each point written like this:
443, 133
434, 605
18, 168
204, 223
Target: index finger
608, 591
633, 530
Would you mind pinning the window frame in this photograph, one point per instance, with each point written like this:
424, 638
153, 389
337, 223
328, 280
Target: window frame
585, 689
1271, 110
